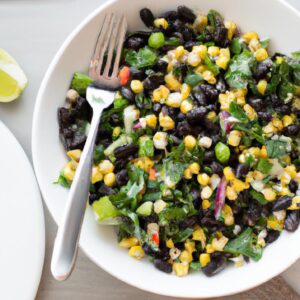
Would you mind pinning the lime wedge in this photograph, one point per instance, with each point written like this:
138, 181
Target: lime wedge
13, 81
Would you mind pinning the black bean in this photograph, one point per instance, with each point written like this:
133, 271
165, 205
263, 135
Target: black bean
78, 141
170, 15
185, 14
266, 210
175, 140
156, 107
274, 100
265, 116
272, 236
196, 115
293, 186
262, 70
256, 103
254, 212
180, 117
283, 109
210, 92
183, 70
282, 203
221, 86
209, 156
210, 126
105, 190
135, 42
215, 266
115, 119
190, 44
293, 129
127, 93
153, 81
82, 109
189, 223
169, 111
209, 221
216, 168
93, 197
125, 150
120, 164
183, 129
136, 74
163, 266
160, 66
220, 34
241, 170
64, 117
121, 178
200, 98
294, 155
292, 220
147, 17
187, 34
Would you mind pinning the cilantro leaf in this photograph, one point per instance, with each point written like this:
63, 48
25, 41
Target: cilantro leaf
264, 166
145, 57
259, 197
276, 148
237, 112
63, 181
183, 235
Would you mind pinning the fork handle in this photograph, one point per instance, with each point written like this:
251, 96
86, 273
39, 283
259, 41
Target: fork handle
66, 242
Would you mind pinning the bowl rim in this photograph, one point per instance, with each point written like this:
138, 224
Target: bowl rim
34, 145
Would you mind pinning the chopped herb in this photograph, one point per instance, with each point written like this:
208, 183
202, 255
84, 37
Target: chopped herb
264, 166
237, 112
276, 148
259, 197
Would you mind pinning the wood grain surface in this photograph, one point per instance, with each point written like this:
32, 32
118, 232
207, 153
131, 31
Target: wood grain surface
90, 282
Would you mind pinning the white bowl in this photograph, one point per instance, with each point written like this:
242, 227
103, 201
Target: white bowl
270, 18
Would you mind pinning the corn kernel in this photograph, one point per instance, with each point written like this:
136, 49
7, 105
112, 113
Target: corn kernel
179, 51
144, 163
186, 106
261, 54
263, 152
200, 22
190, 142
254, 45
203, 179
136, 86
250, 112
261, 86
269, 129
291, 170
172, 82
199, 235
224, 58
190, 246
213, 51
206, 204
185, 91
166, 122
228, 215
269, 194
209, 77
206, 192
231, 27
231, 194
249, 36
174, 99
74, 154
69, 171
209, 248
228, 173
116, 131
255, 151
129, 242
161, 22
287, 120
151, 121
180, 269
96, 175
195, 168
187, 174
204, 259
170, 244
200, 50
274, 224
242, 158
136, 252
106, 167
186, 257
277, 124
205, 142
220, 243
239, 185
110, 179
295, 203
234, 138
193, 59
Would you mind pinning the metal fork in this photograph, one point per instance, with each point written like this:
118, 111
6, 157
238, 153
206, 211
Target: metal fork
104, 70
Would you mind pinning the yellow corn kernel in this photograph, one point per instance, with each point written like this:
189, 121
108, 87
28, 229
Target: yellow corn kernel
206, 192
242, 158
269, 194
220, 243
164, 92
200, 50
110, 179
249, 36
228, 173
211, 116
151, 121
193, 59
239, 185
69, 171
172, 82
136, 252
129, 242
156, 95
209, 77
228, 215
194, 167
255, 151
277, 124
200, 69
234, 138
136, 86
170, 244
106, 167
250, 112
180, 269
285, 178
286, 159
74, 154
258, 175
190, 246
291, 170
222, 62
161, 22
96, 175
200, 22
190, 142
231, 27
263, 152
144, 163
116, 131
295, 203
209, 248
287, 120
269, 129
199, 235
203, 179
231, 194
261, 54
185, 257
213, 51
166, 122
261, 86
186, 106
187, 174
204, 259
206, 204
174, 100
179, 51
254, 45
185, 91
275, 224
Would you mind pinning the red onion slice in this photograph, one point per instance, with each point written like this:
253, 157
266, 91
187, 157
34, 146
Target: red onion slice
220, 198
224, 115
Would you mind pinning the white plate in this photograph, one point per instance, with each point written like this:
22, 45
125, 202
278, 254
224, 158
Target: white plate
22, 229
271, 18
